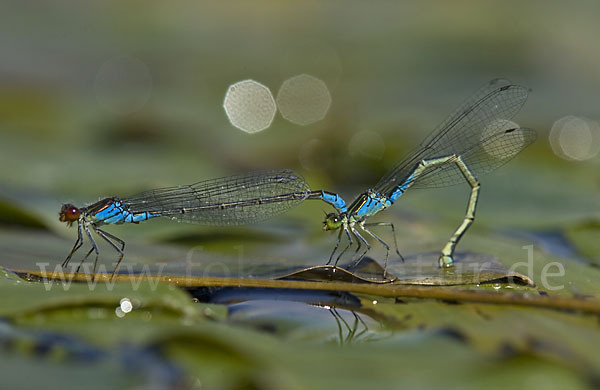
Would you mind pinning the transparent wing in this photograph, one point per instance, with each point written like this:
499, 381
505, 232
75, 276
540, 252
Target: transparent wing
491, 153
479, 118
233, 200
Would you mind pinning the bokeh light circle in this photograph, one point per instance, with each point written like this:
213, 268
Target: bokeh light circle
126, 305
575, 138
303, 99
123, 85
249, 106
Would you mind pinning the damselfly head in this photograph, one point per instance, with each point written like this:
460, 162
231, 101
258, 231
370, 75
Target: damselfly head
69, 214
332, 221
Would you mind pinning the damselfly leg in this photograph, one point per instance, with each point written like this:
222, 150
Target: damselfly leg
94, 247
109, 238
335, 248
84, 259
350, 231
387, 224
385, 245
359, 239
337, 244
446, 259
115, 242
78, 244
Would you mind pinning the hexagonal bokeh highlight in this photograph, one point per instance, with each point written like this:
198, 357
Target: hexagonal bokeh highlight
249, 106
303, 99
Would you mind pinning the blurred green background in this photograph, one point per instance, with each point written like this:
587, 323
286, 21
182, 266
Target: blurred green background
71, 132
394, 71
105, 99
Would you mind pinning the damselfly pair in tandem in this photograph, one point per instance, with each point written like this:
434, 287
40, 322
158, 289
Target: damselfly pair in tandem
476, 139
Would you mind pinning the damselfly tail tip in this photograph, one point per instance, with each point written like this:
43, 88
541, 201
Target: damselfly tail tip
69, 214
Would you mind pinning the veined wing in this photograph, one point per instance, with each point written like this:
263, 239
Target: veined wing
233, 200
483, 115
491, 153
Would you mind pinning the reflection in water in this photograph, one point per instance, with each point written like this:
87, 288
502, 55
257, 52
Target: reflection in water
352, 334
232, 295
308, 315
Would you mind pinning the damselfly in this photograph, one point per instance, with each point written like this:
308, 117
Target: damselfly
476, 139
234, 200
